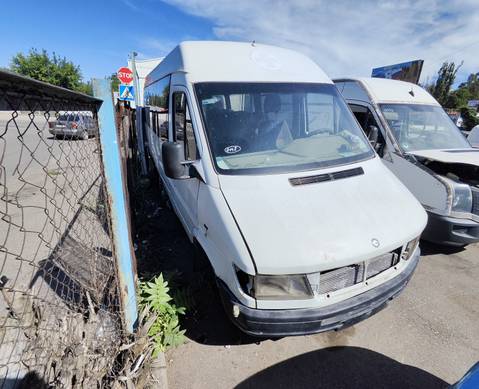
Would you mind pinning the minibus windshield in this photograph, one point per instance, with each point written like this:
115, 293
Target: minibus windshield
278, 127
423, 127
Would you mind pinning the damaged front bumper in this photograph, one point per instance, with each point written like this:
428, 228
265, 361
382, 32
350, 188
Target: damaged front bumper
450, 230
303, 321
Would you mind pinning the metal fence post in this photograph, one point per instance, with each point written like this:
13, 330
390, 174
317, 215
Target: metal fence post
116, 187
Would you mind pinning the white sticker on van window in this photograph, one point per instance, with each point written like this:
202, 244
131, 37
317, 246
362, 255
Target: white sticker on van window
233, 149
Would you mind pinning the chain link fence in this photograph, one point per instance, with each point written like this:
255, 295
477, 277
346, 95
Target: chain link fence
60, 314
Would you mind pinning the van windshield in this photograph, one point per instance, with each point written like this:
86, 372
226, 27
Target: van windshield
423, 127
279, 127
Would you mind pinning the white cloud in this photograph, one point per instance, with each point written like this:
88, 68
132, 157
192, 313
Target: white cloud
351, 37
160, 47
130, 5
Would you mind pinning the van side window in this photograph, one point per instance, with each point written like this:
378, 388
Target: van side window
352, 90
183, 127
366, 119
156, 97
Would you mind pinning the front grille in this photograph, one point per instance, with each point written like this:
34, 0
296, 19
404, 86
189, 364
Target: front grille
381, 263
475, 201
336, 279
343, 277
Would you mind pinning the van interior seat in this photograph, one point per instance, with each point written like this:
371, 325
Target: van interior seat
230, 128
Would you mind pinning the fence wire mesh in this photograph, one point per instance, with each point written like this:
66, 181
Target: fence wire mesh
60, 315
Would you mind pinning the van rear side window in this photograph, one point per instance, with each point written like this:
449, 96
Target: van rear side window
157, 98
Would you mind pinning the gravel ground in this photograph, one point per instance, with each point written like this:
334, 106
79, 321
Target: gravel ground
426, 338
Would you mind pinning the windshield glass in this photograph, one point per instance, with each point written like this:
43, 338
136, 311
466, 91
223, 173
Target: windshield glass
278, 127
423, 127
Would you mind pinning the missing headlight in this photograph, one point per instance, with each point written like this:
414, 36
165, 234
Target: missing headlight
409, 249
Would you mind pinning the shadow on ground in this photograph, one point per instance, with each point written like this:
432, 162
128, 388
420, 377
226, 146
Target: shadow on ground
31, 380
163, 247
342, 367
429, 248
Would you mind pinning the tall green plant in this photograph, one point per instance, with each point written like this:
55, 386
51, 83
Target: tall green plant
165, 330
445, 79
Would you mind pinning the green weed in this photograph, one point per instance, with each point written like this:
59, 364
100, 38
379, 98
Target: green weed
162, 314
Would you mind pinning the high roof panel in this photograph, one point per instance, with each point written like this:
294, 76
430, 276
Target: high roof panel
384, 90
238, 61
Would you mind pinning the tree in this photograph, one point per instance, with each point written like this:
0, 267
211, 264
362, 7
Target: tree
86, 87
52, 69
459, 98
445, 79
115, 82
469, 117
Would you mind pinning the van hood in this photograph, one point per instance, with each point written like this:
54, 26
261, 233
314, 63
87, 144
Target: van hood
462, 156
313, 227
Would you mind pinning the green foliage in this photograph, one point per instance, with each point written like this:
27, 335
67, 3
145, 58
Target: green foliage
445, 79
115, 82
459, 98
53, 69
469, 117
165, 330
468, 90
86, 87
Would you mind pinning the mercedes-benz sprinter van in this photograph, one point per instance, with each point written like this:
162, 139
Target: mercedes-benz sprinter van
424, 148
269, 172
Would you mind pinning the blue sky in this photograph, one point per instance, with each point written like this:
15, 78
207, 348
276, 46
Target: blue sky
97, 35
340, 36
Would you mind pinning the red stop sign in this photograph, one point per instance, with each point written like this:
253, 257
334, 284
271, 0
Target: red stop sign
125, 75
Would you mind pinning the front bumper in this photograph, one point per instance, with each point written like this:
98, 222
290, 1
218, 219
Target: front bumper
287, 322
450, 231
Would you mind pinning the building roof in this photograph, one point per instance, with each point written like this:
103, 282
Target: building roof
384, 90
238, 61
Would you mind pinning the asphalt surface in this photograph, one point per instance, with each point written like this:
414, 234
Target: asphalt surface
425, 338
42, 183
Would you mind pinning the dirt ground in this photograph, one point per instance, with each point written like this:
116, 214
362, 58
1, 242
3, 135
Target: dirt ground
426, 338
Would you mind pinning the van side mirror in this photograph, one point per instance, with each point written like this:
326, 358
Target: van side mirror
373, 135
174, 165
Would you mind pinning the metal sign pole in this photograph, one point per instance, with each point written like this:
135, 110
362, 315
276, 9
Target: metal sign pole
135, 79
139, 118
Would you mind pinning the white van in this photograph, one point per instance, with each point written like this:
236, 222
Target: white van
473, 137
428, 153
269, 172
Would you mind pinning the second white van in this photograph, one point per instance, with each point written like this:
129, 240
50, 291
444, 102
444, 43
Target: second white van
269, 172
423, 147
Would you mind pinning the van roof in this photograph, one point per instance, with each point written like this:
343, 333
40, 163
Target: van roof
238, 61
383, 90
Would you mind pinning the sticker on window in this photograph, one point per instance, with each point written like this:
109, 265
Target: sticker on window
233, 149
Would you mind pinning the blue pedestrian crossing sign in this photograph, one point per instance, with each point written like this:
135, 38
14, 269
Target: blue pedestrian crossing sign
127, 93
